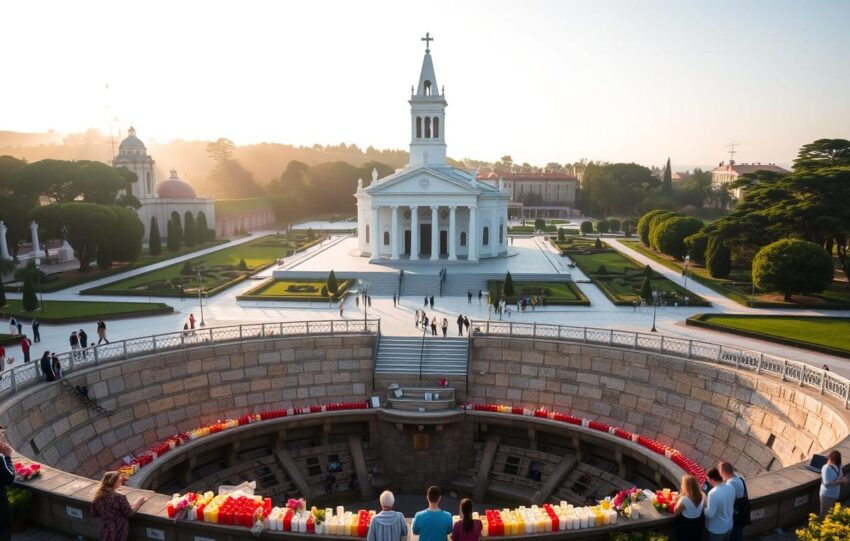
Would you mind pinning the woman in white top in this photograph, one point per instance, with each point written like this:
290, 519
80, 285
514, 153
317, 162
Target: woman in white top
689, 519
832, 477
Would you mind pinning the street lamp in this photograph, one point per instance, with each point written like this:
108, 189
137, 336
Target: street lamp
655, 296
200, 298
685, 274
38, 279
364, 293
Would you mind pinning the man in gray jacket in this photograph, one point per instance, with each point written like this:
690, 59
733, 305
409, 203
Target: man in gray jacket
388, 525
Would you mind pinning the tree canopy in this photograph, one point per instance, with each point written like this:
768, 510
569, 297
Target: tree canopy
65, 181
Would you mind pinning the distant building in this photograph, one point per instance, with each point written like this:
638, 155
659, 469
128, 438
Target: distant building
725, 173
533, 195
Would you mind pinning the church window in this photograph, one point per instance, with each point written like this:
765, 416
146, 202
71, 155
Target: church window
485, 238
436, 127
419, 127
463, 238
502, 234
427, 87
386, 238
427, 127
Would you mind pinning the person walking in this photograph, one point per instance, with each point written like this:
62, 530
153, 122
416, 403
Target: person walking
434, 325
719, 507
75, 344
341, 307
424, 322
489, 311
416, 319
426, 301
832, 477
357, 300
480, 295
467, 528
388, 525
741, 508
101, 332
460, 325
36, 335
468, 296
46, 369
7, 479
20, 327
688, 510
192, 321
113, 509
431, 301
84, 342
445, 327
25, 348
432, 524
369, 301
395, 300
466, 324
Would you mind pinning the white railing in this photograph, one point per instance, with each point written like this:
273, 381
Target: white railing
797, 372
71, 361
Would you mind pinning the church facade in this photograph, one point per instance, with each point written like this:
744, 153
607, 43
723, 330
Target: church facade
430, 210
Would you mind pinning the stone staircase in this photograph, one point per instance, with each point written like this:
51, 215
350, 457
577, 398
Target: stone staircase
441, 356
418, 284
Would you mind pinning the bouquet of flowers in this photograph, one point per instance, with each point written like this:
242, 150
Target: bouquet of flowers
664, 500
27, 472
182, 504
623, 500
296, 504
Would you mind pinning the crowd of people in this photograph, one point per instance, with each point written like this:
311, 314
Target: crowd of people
430, 524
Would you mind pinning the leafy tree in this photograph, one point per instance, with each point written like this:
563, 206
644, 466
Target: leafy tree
792, 266
29, 300
614, 225
221, 150
172, 244
331, 283
671, 235
823, 153
154, 241
189, 232
718, 257
126, 235
8, 165
539, 224
201, 228
508, 285
14, 211
697, 244
614, 189
83, 225
654, 224
506, 163
646, 289
602, 226
667, 181
643, 225
295, 178
65, 181
586, 227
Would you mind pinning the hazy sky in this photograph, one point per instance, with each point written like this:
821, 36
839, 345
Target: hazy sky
541, 80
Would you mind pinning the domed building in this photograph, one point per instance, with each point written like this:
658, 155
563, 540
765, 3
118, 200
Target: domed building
169, 199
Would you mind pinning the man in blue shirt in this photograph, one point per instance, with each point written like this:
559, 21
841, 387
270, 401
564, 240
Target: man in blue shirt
727, 472
432, 524
719, 507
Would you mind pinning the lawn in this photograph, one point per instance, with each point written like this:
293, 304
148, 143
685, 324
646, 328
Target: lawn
63, 280
555, 293
827, 334
68, 311
218, 270
739, 287
293, 290
619, 277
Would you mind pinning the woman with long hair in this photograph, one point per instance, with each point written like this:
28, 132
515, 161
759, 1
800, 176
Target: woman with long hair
113, 509
689, 505
467, 528
832, 477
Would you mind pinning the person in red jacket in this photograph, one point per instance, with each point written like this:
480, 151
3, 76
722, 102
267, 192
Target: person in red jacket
25, 347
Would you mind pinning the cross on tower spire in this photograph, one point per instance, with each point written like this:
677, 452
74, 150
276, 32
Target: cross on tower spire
427, 39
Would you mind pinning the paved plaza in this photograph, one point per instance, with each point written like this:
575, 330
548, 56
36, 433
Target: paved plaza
533, 255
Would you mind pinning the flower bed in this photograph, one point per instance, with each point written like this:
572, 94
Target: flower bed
690, 466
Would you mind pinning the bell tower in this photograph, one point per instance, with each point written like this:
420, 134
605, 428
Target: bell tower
427, 116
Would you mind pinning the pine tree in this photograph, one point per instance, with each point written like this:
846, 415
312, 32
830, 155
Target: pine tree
189, 236
154, 242
172, 244
508, 286
646, 290
667, 182
29, 300
332, 285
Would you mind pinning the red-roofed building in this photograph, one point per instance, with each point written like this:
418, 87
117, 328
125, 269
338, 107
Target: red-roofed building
725, 173
534, 195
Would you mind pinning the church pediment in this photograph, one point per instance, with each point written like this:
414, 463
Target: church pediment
426, 181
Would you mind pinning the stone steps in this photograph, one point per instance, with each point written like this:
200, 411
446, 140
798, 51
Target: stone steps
439, 356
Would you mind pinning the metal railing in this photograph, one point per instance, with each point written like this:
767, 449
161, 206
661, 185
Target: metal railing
797, 372
30, 373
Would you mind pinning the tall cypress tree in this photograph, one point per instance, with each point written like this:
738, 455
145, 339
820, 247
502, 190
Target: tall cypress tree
178, 229
508, 285
189, 237
171, 243
667, 182
201, 228
29, 300
154, 242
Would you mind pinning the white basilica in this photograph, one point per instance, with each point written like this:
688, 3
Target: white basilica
430, 210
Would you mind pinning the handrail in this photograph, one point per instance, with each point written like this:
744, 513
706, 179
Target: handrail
802, 374
30, 373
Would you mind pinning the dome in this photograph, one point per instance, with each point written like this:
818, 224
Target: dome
131, 142
174, 188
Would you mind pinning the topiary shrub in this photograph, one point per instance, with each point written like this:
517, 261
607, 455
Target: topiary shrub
602, 226
104, 255
601, 270
508, 285
561, 234
187, 269
242, 265
654, 225
643, 225
154, 241
792, 266
647, 271
697, 245
586, 227
718, 258
627, 231
539, 224
331, 283
324, 291
646, 289
613, 225
29, 299
670, 235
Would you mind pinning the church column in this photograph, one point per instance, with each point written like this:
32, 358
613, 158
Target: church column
36, 247
4, 247
472, 239
414, 233
452, 234
394, 234
435, 233
376, 234
361, 228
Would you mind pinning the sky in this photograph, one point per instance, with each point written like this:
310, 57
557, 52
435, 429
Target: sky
543, 81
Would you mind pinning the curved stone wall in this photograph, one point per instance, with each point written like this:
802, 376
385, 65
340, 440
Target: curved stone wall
155, 396
707, 412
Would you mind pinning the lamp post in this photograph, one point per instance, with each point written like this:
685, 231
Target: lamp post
655, 295
685, 274
200, 298
364, 293
38, 279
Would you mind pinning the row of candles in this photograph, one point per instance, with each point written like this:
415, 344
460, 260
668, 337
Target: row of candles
688, 465
169, 443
